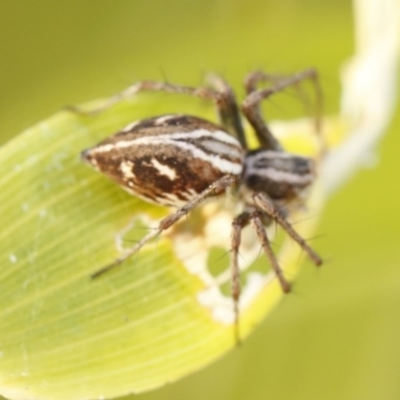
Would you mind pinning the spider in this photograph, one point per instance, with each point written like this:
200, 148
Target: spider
180, 160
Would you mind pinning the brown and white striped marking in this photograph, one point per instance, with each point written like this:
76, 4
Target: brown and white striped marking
168, 160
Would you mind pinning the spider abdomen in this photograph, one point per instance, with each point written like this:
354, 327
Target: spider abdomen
169, 159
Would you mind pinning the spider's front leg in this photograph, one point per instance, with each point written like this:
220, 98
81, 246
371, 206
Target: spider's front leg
267, 206
251, 104
240, 222
274, 178
254, 78
254, 217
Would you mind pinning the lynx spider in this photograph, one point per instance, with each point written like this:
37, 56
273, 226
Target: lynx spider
151, 159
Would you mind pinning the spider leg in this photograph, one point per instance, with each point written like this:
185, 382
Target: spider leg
238, 224
241, 221
254, 78
266, 205
257, 223
251, 104
150, 86
227, 106
221, 94
215, 188
251, 81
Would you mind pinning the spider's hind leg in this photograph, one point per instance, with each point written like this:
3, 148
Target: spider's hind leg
220, 93
151, 86
218, 186
227, 107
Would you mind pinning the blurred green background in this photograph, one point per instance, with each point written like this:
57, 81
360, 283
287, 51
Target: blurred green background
337, 336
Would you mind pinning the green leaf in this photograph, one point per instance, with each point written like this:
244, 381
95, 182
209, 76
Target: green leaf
152, 320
